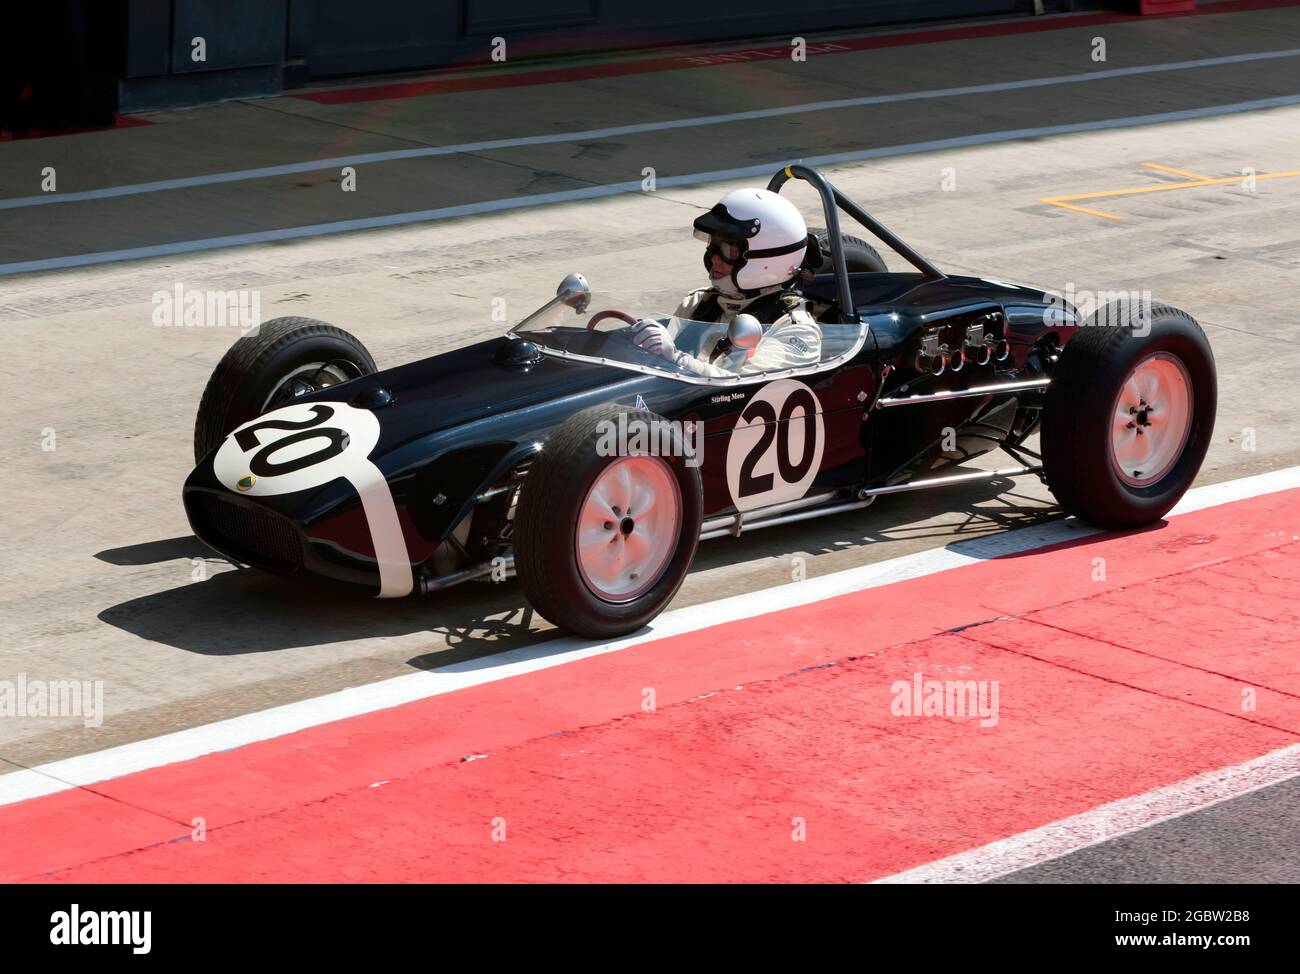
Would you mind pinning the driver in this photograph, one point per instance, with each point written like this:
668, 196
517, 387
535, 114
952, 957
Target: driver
757, 241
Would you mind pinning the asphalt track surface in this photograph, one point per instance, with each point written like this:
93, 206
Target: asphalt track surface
98, 564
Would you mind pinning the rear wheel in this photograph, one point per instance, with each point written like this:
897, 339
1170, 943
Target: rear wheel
286, 358
602, 543
858, 254
1129, 415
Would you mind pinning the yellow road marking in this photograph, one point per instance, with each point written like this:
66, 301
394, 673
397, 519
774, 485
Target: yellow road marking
1177, 172
1194, 182
1082, 209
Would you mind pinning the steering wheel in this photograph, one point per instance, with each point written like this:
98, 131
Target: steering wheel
602, 315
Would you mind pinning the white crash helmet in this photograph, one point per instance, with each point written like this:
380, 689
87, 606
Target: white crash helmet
761, 234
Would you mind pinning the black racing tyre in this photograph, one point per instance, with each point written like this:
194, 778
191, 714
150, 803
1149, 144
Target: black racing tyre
858, 254
603, 542
1129, 415
286, 356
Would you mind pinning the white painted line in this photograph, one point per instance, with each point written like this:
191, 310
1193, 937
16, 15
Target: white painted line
86, 769
615, 189
1106, 822
394, 155
1227, 491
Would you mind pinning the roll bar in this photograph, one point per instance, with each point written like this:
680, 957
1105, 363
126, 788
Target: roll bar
833, 201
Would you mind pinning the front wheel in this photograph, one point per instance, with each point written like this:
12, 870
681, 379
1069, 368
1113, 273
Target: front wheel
604, 539
287, 357
1129, 415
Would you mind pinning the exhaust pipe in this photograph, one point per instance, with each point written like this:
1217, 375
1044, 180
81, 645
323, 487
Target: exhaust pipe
934, 364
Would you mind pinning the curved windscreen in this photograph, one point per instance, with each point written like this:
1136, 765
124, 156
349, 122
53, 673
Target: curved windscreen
601, 328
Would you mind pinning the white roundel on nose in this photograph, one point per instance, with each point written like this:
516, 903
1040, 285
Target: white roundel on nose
307, 445
297, 447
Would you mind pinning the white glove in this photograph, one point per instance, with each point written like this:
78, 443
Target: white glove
653, 337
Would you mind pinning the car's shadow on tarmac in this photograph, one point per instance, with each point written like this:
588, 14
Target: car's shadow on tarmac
238, 612
152, 552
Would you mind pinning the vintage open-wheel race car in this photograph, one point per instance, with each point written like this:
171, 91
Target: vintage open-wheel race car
564, 453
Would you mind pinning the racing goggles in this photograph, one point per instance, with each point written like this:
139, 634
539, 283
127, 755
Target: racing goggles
730, 252
726, 236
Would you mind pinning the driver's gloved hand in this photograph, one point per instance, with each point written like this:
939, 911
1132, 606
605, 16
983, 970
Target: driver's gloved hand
654, 337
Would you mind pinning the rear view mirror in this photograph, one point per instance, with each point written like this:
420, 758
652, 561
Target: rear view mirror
745, 332
575, 292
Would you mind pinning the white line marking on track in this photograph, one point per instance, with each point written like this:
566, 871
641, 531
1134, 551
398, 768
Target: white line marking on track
1106, 822
239, 175
86, 769
615, 189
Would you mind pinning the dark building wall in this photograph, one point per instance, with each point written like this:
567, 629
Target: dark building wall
258, 47
243, 53
401, 35
60, 61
